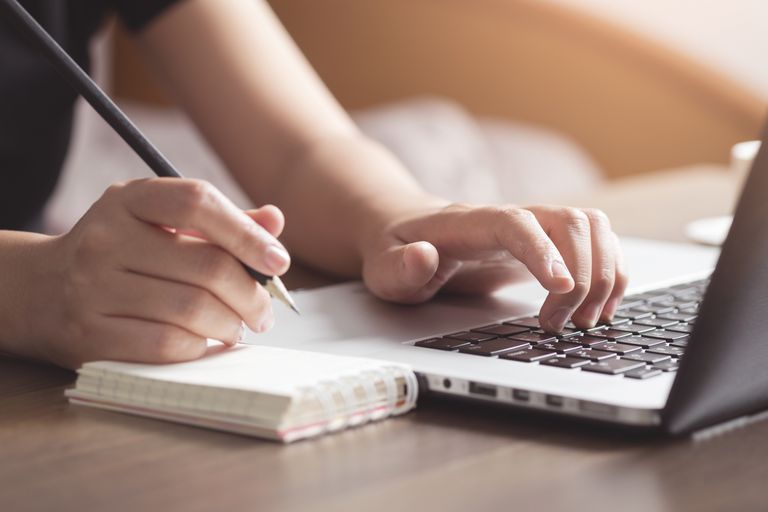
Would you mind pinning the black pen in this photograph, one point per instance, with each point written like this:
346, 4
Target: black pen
88, 89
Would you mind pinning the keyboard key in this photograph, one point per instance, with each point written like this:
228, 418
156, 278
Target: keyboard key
618, 321
565, 362
528, 355
666, 366
472, 337
610, 334
683, 304
652, 308
531, 322
667, 351
631, 314
630, 302
680, 317
682, 342
634, 328
657, 322
612, 366
666, 303
686, 328
568, 332
690, 299
442, 343
654, 295
658, 295
560, 347
685, 291
642, 342
500, 329
616, 348
642, 373
664, 334
494, 347
592, 355
534, 337
588, 340
644, 357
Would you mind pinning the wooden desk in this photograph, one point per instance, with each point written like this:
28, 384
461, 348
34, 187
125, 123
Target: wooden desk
444, 456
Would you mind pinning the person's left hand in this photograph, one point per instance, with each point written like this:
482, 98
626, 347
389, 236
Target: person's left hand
572, 252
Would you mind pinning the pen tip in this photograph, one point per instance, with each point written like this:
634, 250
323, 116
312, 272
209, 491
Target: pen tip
277, 289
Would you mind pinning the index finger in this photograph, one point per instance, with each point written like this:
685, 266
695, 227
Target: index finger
475, 233
187, 204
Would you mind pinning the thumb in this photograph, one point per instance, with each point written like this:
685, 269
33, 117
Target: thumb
404, 273
269, 217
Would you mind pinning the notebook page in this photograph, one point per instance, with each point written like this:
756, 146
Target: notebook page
268, 370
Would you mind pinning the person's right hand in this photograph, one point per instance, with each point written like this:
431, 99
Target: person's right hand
127, 286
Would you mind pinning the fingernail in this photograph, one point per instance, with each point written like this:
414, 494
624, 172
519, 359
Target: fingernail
277, 258
241, 332
267, 324
559, 318
559, 269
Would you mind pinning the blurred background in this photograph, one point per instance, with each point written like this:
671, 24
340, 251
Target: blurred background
628, 106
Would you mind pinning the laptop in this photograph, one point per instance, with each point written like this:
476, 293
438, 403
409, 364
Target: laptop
682, 354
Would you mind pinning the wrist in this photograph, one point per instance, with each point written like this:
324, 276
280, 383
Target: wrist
351, 190
27, 285
394, 198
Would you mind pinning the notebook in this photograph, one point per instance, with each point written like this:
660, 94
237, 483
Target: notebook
261, 391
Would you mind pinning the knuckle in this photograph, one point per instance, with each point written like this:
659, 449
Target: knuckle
192, 305
457, 207
603, 282
193, 194
514, 227
575, 216
515, 215
531, 250
215, 265
115, 189
575, 221
580, 289
597, 216
94, 240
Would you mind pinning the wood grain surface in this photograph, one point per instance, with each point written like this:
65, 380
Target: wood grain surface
447, 455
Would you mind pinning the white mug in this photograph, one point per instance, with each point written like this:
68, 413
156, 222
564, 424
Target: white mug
712, 231
743, 155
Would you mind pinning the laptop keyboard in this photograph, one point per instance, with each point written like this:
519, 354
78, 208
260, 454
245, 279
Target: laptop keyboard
647, 337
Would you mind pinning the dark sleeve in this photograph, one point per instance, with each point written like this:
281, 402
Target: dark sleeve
136, 14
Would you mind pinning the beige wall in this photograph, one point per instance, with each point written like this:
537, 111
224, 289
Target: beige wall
635, 106
728, 35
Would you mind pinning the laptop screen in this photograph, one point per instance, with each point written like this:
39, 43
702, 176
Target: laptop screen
724, 373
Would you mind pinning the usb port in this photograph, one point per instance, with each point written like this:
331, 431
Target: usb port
554, 400
521, 395
482, 389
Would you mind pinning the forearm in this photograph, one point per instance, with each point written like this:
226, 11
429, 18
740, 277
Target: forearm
278, 129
